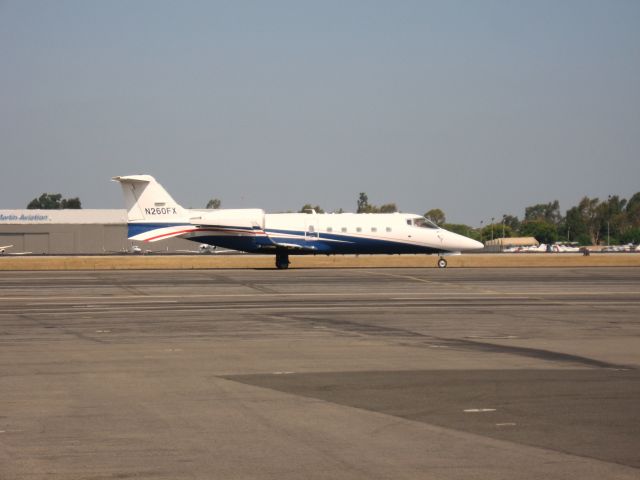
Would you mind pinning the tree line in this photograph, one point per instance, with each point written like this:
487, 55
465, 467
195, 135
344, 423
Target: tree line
53, 201
363, 206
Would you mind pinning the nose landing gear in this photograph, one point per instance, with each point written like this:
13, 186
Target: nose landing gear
442, 263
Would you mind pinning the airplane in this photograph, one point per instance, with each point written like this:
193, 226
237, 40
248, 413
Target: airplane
153, 215
560, 247
3, 251
203, 249
134, 249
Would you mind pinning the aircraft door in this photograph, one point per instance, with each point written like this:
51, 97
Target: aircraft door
311, 232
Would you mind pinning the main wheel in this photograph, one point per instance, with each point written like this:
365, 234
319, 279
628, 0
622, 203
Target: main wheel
442, 263
282, 262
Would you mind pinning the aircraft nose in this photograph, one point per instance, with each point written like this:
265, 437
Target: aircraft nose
460, 242
475, 245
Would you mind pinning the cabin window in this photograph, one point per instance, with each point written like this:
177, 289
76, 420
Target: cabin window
374, 229
409, 221
344, 229
424, 223
311, 228
388, 229
358, 229
329, 229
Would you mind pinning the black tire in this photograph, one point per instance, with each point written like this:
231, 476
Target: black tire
442, 263
282, 262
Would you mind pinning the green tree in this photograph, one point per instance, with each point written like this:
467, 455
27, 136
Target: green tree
547, 212
575, 227
388, 208
632, 235
495, 229
436, 216
583, 222
363, 203
632, 211
214, 203
307, 207
462, 229
588, 208
365, 207
544, 232
53, 201
71, 203
614, 218
46, 201
512, 222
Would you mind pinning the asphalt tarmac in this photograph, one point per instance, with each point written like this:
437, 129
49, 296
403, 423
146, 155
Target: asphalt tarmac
321, 374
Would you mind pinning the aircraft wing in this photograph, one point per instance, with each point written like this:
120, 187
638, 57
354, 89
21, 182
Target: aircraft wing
294, 246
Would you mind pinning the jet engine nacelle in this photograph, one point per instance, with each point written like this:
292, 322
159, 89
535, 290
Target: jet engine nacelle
240, 218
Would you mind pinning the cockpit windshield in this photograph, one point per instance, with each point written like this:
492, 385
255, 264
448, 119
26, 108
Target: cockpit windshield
424, 223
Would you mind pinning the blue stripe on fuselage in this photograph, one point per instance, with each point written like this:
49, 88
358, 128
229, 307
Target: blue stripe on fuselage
134, 229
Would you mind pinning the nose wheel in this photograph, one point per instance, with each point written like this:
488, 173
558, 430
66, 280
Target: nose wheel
442, 263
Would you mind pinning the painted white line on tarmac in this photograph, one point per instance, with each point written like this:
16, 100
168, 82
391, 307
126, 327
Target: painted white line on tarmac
406, 295
252, 295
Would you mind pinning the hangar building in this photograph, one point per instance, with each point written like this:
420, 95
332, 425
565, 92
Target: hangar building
81, 231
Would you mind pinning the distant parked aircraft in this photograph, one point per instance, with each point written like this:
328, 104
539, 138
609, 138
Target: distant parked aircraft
3, 251
560, 247
202, 249
153, 215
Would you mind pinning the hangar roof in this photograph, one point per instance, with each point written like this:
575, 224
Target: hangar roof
68, 216
513, 241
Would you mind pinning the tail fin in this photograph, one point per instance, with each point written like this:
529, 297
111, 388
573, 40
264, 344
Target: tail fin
147, 201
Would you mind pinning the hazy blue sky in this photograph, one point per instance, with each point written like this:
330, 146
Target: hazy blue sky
476, 107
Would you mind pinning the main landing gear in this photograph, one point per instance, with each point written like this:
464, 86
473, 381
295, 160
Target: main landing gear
442, 263
282, 261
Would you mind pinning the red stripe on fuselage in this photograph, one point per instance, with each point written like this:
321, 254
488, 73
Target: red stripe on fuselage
191, 230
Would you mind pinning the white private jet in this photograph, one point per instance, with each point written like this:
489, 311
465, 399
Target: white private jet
154, 215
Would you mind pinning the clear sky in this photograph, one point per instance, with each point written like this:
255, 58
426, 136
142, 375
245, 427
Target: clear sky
476, 107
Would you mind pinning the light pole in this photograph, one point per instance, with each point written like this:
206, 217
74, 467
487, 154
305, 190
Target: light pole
481, 221
608, 219
492, 219
502, 242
